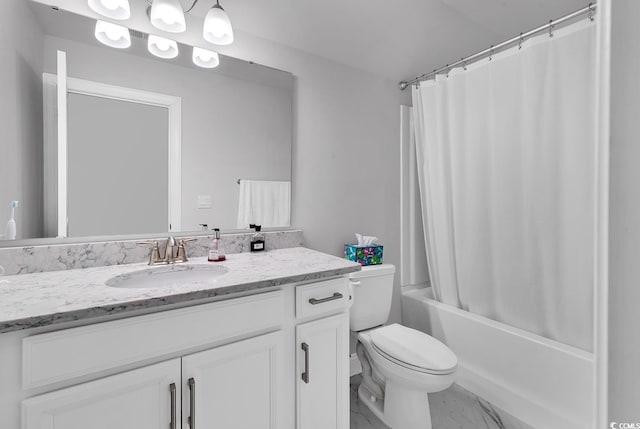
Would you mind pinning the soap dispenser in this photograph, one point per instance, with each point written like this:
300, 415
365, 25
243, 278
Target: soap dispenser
257, 239
216, 250
10, 230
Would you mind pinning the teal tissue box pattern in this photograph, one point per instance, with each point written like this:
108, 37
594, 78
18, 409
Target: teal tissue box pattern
364, 255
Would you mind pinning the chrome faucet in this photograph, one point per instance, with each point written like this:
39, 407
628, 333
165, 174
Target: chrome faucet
173, 253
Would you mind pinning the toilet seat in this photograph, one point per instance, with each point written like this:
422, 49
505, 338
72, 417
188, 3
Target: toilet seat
413, 350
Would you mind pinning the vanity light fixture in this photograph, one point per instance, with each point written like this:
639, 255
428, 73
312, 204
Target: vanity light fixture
161, 47
217, 26
114, 9
205, 58
113, 35
167, 15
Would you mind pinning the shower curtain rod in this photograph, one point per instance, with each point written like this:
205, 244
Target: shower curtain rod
590, 9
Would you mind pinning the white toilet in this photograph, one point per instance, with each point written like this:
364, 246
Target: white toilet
400, 365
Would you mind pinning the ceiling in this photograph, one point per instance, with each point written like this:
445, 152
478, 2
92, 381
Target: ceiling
396, 39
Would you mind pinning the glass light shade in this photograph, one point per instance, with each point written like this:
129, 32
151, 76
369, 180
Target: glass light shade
217, 27
205, 58
113, 35
167, 15
161, 47
114, 9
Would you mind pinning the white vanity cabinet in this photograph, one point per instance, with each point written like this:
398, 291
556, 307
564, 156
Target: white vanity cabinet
323, 356
235, 363
209, 389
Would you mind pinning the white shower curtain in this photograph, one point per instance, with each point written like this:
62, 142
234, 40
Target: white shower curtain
506, 164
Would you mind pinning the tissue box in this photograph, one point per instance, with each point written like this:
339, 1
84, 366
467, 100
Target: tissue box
364, 255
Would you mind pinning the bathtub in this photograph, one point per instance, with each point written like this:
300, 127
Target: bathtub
540, 381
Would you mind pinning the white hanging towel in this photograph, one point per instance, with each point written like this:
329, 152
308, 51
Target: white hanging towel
266, 203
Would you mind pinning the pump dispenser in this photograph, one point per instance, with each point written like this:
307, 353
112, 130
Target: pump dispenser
216, 250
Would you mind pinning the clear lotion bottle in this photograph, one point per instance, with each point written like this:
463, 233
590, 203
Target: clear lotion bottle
216, 251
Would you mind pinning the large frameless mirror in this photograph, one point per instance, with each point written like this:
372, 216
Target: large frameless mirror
158, 136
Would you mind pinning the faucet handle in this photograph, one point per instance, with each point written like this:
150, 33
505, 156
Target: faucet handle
182, 250
154, 256
144, 243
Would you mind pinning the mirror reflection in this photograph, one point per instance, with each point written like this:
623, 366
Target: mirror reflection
138, 144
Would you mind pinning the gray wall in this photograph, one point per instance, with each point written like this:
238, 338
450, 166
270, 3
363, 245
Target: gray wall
21, 118
231, 128
347, 159
624, 277
118, 175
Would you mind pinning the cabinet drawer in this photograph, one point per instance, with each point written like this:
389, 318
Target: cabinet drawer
67, 354
322, 298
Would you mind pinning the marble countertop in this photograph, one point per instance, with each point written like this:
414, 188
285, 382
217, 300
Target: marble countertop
41, 299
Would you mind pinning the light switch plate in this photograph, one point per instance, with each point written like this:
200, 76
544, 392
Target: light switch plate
205, 202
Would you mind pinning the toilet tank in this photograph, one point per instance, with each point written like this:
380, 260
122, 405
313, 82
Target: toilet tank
372, 290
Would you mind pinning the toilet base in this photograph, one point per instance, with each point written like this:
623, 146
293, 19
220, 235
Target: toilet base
406, 408
375, 405
401, 408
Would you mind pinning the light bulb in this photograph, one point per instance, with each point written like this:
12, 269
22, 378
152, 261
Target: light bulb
217, 27
161, 47
114, 9
110, 4
163, 44
217, 31
112, 35
167, 15
205, 58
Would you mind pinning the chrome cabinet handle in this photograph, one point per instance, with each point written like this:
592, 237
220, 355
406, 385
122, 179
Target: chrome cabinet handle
305, 374
315, 301
172, 389
192, 403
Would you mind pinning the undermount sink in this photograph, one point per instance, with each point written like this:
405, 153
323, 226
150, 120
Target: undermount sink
169, 275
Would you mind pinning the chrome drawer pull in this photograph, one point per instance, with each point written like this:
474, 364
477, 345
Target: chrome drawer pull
172, 389
336, 295
192, 403
305, 374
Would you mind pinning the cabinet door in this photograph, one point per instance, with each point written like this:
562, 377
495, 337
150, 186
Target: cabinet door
323, 373
236, 386
145, 398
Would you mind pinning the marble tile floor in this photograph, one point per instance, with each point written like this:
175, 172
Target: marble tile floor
454, 408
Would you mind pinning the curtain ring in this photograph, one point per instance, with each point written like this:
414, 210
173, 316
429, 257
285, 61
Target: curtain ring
448, 70
464, 64
520, 42
591, 10
551, 26
491, 53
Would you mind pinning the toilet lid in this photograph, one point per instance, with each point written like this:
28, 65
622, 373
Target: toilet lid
414, 349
